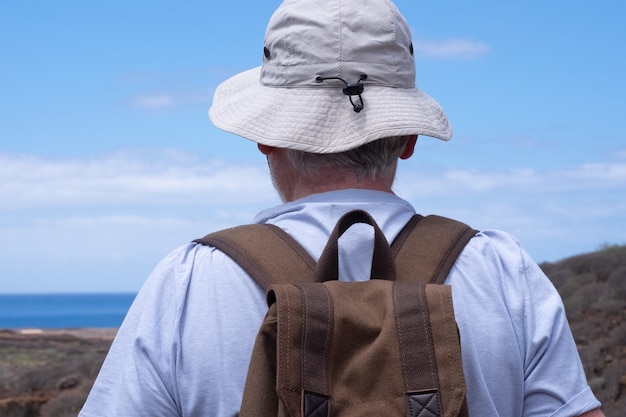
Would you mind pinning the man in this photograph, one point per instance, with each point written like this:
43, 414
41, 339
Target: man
333, 108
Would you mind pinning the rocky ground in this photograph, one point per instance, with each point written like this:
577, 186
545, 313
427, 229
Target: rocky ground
49, 373
593, 288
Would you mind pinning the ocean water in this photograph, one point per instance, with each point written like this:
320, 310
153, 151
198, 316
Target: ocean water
59, 311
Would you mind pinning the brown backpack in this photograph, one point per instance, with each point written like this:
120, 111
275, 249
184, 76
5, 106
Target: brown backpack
388, 346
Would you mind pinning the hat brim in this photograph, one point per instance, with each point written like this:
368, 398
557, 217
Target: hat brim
321, 119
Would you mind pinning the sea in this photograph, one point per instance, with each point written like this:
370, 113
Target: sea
63, 311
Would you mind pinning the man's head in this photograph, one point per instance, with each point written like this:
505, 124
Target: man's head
336, 74
296, 174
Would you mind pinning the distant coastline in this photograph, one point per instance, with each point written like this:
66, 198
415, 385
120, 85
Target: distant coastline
63, 311
102, 333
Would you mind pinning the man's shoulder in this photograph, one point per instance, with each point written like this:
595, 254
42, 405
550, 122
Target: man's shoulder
497, 257
492, 243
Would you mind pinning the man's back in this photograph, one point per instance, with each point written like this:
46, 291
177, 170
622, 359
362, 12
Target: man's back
191, 350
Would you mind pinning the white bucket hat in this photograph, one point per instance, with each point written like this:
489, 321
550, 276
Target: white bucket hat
336, 74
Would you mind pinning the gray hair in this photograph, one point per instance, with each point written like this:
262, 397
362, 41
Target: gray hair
374, 160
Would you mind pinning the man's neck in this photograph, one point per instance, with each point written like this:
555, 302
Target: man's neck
292, 185
301, 192
300, 187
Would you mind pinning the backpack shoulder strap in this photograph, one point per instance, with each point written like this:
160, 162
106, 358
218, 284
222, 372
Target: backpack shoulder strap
425, 250
428, 246
266, 252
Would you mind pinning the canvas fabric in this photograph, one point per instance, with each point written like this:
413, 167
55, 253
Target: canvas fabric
385, 346
344, 70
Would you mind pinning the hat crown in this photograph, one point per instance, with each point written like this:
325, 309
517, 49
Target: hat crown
307, 39
311, 48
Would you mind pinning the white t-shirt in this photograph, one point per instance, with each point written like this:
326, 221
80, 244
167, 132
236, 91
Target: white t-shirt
184, 347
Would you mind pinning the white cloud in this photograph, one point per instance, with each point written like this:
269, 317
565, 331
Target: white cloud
161, 178
597, 175
134, 180
107, 237
584, 178
152, 101
450, 49
118, 214
555, 212
169, 100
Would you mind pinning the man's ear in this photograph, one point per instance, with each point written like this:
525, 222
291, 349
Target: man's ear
410, 147
265, 150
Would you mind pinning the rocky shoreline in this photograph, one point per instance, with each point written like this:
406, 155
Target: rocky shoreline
83, 333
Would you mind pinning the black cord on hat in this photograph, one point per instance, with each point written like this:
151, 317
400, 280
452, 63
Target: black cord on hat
349, 90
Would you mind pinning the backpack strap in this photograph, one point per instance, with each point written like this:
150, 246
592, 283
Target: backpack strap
426, 250
428, 246
255, 247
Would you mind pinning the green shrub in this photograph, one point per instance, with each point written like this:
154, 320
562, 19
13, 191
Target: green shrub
575, 306
66, 404
617, 282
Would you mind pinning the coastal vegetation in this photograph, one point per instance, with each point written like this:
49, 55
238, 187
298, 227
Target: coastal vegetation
49, 373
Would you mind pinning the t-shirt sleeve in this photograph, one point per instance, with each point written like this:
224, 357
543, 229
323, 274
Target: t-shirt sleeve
554, 380
136, 378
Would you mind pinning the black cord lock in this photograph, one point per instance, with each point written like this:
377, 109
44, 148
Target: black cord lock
349, 89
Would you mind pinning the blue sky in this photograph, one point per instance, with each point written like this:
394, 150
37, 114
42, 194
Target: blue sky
108, 160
